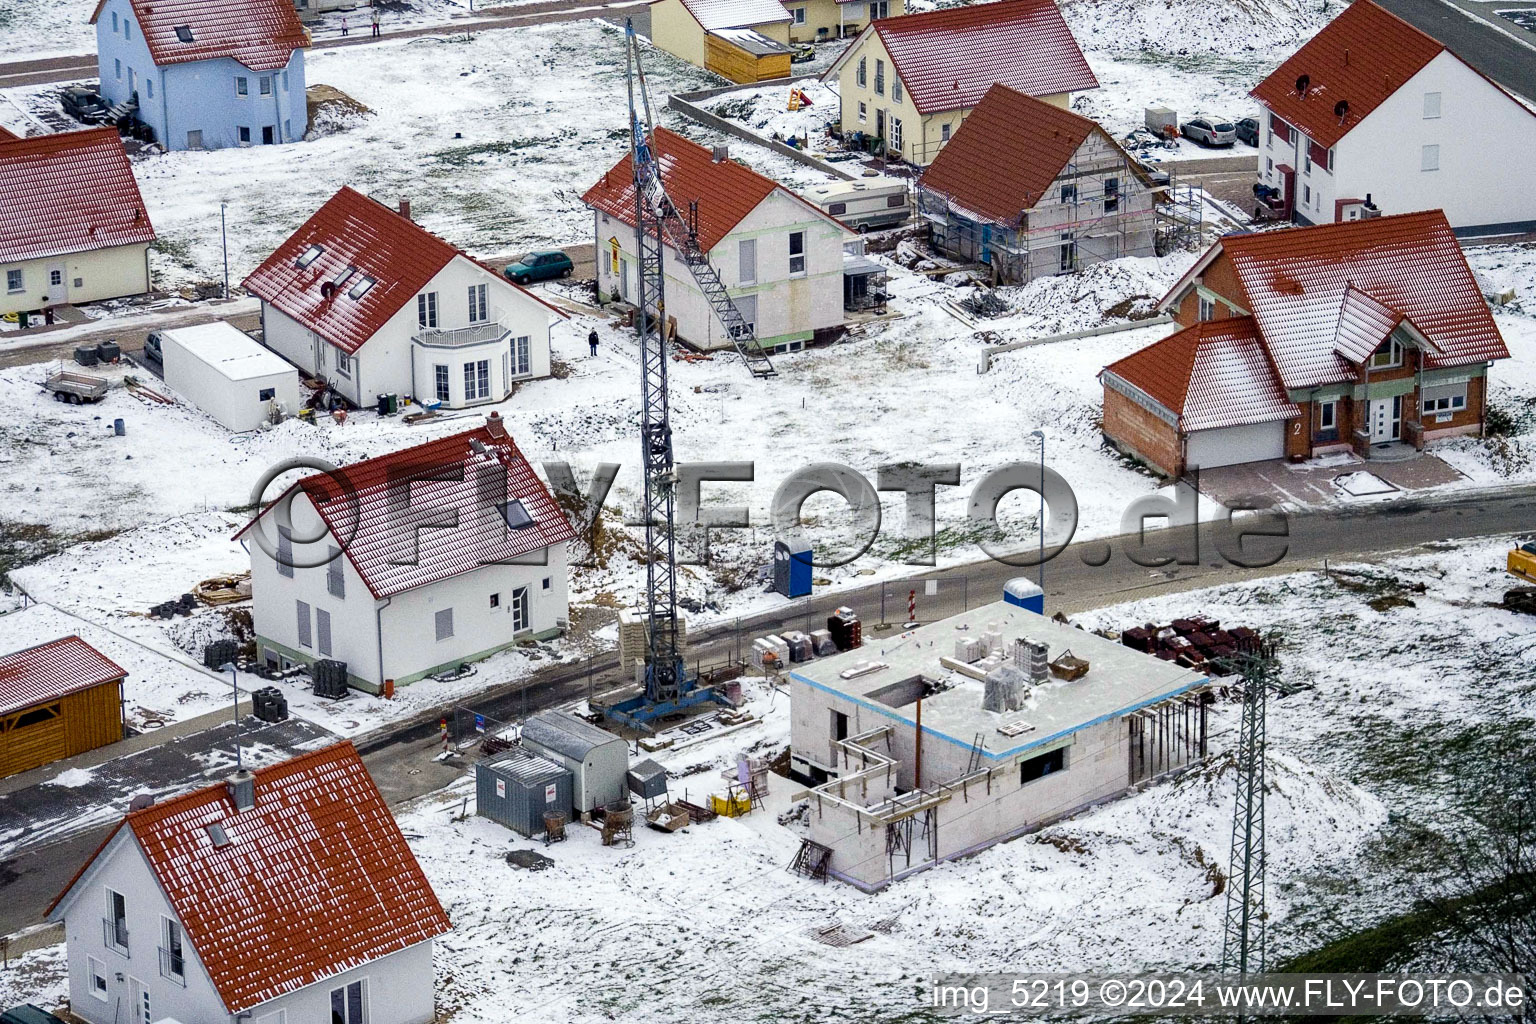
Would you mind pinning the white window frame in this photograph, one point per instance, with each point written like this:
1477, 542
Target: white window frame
362, 1001
863, 112
1431, 106
426, 309
862, 75
1444, 405
170, 927
477, 380
1429, 158
1328, 414
199, 143
264, 85
343, 362
1206, 308
15, 280
797, 262
522, 355
879, 77
896, 135
1394, 353
442, 382
479, 310
746, 258
110, 941
944, 130
895, 87
242, 86
117, 67
522, 610
96, 971
799, 13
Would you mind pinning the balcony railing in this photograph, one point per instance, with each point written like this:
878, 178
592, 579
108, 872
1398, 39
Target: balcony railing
114, 934
454, 337
173, 965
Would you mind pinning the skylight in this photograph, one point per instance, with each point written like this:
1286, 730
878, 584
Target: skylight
516, 515
308, 256
217, 834
345, 276
360, 289
184, 33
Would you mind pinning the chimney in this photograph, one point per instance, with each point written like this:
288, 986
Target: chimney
242, 790
405, 208
720, 154
1346, 56
494, 425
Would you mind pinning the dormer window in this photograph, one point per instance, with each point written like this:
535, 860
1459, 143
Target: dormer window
360, 289
1388, 356
184, 33
308, 256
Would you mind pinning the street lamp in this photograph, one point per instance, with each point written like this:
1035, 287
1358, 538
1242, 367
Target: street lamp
224, 238
1041, 435
234, 686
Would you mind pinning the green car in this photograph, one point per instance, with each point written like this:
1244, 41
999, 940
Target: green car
540, 266
28, 1014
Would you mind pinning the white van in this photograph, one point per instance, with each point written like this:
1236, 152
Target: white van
867, 204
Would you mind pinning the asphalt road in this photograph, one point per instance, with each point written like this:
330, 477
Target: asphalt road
402, 760
1495, 54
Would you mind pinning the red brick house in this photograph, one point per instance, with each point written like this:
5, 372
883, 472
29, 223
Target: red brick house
1297, 342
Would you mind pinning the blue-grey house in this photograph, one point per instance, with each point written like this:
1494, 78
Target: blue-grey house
205, 74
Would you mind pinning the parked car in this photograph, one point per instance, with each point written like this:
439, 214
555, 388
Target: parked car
84, 104
28, 1014
1248, 131
1202, 130
152, 350
540, 266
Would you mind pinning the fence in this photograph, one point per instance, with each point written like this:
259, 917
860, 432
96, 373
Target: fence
682, 103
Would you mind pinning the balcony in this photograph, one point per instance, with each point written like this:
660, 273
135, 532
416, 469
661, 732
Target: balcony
460, 337
114, 934
173, 965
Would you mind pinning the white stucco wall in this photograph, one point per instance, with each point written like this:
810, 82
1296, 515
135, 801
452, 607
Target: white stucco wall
102, 273
789, 310
1485, 138
397, 989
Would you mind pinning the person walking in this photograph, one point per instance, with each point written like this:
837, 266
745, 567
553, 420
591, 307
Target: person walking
375, 21
343, 24
592, 342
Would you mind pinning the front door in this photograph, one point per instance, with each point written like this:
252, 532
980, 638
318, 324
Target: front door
1386, 419
880, 124
58, 289
267, 135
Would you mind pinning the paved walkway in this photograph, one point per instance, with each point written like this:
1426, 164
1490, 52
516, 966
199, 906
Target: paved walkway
1314, 483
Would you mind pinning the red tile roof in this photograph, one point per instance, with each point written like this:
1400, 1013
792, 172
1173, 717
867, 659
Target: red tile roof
68, 192
388, 513
714, 14
1295, 282
1212, 374
261, 34
1361, 57
6, 135
948, 59
52, 670
726, 191
1006, 154
316, 878
353, 231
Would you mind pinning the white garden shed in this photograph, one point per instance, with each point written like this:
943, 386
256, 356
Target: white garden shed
229, 375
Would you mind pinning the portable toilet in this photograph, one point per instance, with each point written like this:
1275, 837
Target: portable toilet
1026, 593
792, 567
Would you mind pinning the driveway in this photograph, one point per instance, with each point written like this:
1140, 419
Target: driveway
1329, 479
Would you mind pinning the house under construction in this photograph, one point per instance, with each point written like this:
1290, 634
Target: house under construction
943, 740
1032, 190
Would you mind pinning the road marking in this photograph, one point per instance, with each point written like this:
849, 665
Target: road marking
1501, 30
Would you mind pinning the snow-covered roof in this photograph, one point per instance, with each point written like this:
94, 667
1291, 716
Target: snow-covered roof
229, 351
68, 192
1212, 374
261, 34
566, 735
947, 59
388, 514
319, 275
525, 767
751, 41
52, 670
725, 190
1295, 283
714, 15
314, 879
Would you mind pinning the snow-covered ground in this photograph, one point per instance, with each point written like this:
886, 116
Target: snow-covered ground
707, 925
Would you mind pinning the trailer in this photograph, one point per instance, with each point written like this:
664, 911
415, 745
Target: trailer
75, 388
866, 204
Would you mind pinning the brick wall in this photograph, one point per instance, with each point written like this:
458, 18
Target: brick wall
1220, 278
1138, 433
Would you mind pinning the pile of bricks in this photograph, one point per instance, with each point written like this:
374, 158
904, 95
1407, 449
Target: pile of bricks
1196, 643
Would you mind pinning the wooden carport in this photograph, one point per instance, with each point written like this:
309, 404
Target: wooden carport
57, 700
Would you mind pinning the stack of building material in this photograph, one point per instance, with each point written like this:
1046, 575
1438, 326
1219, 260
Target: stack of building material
822, 643
847, 632
1195, 642
330, 678
770, 653
634, 640
967, 649
269, 704
800, 646
1005, 689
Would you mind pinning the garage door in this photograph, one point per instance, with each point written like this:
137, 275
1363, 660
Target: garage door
1253, 442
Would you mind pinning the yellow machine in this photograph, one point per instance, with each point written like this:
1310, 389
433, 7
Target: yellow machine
1522, 561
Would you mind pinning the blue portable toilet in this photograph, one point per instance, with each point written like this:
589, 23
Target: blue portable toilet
1024, 592
792, 567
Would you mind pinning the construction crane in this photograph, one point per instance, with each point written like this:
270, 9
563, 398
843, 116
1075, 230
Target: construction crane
1244, 944
668, 687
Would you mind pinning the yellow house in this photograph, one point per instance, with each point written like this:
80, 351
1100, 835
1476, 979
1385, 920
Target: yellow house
815, 20
910, 81
742, 40
73, 227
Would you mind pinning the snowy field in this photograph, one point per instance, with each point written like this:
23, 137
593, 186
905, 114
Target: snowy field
710, 919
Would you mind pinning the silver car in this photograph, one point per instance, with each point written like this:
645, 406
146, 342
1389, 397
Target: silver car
1218, 133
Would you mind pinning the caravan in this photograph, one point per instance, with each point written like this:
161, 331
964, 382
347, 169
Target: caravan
867, 204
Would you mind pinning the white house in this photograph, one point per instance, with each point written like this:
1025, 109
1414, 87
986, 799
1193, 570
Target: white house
780, 258
410, 564
1373, 116
224, 372
364, 297
74, 227
285, 896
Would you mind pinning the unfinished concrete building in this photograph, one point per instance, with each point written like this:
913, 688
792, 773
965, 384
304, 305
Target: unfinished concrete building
1032, 190
943, 740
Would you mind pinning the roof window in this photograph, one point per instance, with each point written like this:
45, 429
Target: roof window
345, 276
217, 834
360, 289
516, 515
184, 33
308, 256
